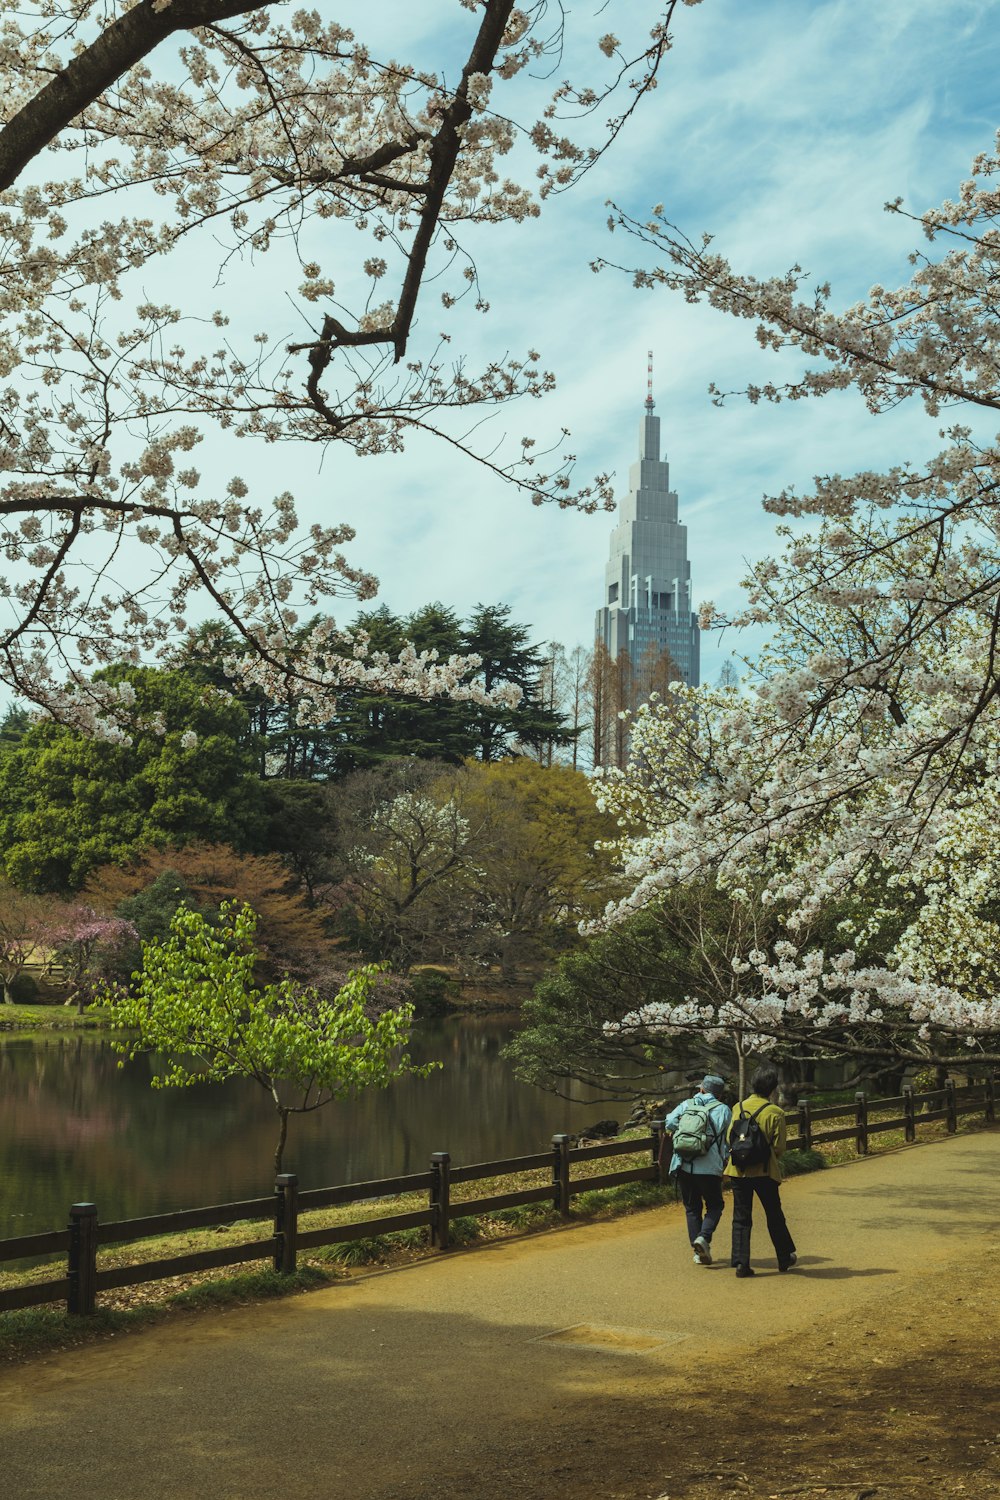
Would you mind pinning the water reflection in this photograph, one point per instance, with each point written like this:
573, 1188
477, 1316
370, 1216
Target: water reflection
75, 1126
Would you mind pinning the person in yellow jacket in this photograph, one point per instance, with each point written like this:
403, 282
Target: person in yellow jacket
762, 1179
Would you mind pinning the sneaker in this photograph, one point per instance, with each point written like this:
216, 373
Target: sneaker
789, 1263
742, 1271
702, 1253
697, 1258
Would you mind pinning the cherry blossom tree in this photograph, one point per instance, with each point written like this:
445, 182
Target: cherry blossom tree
89, 947
860, 759
22, 922
201, 133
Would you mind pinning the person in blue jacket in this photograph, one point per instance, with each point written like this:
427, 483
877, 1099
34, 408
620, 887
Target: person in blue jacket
699, 1178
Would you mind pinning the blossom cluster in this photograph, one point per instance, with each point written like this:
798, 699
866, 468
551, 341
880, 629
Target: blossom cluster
253, 133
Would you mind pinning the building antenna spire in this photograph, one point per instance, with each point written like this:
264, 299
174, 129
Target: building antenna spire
649, 381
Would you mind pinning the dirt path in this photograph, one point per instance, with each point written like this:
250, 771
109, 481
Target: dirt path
592, 1363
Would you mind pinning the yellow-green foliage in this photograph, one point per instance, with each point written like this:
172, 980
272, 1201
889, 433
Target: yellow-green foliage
196, 1006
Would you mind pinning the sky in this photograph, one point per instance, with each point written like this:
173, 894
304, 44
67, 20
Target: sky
780, 127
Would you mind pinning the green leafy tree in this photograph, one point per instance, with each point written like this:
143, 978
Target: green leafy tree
541, 867
302, 828
598, 1020
70, 803
565, 1040
196, 1006
507, 657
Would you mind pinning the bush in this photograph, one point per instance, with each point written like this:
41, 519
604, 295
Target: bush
375, 1248
794, 1163
25, 990
431, 990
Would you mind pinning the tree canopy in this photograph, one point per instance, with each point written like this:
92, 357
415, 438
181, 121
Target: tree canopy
70, 802
479, 865
370, 727
196, 998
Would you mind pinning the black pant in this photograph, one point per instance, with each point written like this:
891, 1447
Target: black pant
767, 1191
702, 1197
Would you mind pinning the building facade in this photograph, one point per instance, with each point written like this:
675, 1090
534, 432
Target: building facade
646, 614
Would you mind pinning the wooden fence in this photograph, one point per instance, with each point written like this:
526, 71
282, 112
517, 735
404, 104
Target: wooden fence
83, 1279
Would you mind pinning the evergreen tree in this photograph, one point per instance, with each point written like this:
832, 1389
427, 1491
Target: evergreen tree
281, 747
13, 727
374, 728
507, 657
370, 728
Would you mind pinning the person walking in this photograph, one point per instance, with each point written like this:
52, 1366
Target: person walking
698, 1127
757, 1136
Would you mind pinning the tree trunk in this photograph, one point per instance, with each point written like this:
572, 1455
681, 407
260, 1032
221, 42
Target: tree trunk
279, 1150
741, 1062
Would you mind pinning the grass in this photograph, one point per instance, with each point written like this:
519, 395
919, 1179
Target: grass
45, 1018
251, 1286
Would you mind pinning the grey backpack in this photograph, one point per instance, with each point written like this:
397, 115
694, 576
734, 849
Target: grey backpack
695, 1132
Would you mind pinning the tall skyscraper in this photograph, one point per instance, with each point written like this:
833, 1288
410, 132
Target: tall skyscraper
647, 582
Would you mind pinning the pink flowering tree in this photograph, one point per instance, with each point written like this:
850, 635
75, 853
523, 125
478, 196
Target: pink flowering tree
22, 929
90, 948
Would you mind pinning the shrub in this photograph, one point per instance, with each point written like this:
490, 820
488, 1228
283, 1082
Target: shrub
794, 1163
430, 990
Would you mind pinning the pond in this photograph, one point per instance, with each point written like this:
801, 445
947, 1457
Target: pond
76, 1127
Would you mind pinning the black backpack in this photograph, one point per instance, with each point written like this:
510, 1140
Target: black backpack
748, 1145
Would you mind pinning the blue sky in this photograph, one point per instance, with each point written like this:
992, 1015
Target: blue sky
781, 127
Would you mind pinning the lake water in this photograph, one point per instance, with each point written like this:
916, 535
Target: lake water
76, 1127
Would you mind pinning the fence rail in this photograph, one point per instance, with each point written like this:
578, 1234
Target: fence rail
83, 1237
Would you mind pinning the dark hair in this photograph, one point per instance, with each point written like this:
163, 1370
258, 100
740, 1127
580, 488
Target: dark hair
765, 1079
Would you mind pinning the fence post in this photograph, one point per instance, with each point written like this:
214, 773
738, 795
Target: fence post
989, 1103
861, 1123
560, 1175
286, 1222
82, 1270
951, 1105
909, 1113
440, 1198
805, 1126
